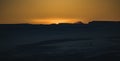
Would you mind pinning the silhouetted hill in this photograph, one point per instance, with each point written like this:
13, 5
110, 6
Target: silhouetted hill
91, 24
105, 23
96, 41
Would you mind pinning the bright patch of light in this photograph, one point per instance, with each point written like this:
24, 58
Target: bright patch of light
49, 21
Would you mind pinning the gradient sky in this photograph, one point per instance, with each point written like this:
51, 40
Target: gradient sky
23, 11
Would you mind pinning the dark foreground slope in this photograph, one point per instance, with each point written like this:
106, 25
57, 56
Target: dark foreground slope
97, 41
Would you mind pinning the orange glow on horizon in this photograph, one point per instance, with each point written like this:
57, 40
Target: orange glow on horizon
56, 21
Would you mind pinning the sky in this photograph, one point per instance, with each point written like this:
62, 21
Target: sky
27, 11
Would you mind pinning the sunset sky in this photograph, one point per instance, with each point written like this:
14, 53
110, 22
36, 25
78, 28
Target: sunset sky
28, 11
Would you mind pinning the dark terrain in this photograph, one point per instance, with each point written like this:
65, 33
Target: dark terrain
97, 41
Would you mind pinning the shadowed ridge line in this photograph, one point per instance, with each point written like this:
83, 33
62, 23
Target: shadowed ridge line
54, 42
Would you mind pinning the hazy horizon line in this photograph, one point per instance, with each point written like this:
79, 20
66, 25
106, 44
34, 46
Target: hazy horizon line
80, 22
